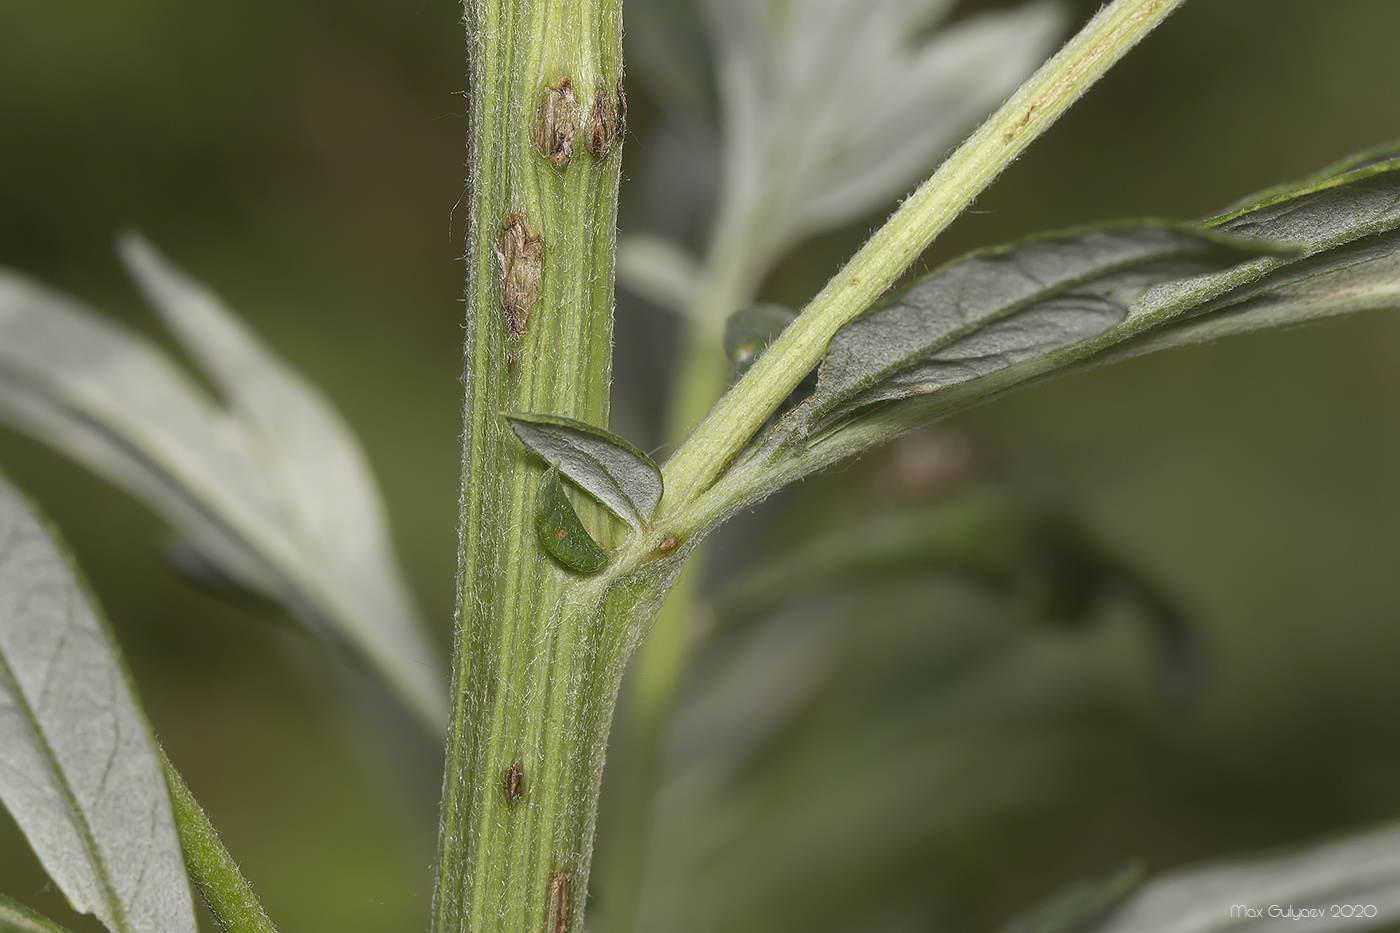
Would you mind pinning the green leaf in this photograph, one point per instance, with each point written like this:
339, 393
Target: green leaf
1364, 276
1363, 869
1007, 304
80, 774
16, 918
749, 331
1000, 317
1074, 909
560, 530
609, 469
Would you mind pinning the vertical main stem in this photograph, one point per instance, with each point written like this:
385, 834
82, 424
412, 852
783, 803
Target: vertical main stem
533, 680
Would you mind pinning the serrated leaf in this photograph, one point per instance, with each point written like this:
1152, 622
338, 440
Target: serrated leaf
1363, 869
80, 773
268, 484
1074, 909
560, 530
749, 331
16, 918
609, 469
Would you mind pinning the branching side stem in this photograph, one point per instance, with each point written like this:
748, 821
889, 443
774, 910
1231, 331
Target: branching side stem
995, 145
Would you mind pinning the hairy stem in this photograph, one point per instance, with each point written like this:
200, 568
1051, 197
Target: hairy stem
1030, 111
534, 674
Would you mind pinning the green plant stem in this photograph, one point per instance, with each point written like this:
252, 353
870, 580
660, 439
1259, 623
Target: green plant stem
534, 673
230, 899
1030, 111
635, 770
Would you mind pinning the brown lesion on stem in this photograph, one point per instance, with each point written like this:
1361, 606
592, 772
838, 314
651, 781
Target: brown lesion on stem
520, 255
513, 783
556, 122
557, 906
605, 121
1016, 129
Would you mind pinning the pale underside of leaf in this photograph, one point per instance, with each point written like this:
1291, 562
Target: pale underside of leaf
80, 772
1364, 870
609, 469
831, 109
272, 489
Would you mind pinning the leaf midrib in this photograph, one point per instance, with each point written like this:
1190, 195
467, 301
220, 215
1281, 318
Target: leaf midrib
27, 714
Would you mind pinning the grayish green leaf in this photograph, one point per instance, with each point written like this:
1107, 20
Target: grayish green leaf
268, 484
1355, 165
1361, 277
560, 530
609, 469
1363, 869
1074, 909
1001, 306
16, 918
80, 773
1001, 317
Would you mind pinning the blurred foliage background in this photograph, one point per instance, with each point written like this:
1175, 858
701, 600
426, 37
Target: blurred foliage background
305, 158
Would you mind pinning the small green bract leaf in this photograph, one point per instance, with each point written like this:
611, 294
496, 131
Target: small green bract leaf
749, 331
16, 918
226, 892
81, 775
609, 469
560, 530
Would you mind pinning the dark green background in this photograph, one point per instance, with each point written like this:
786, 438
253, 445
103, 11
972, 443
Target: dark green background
305, 158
